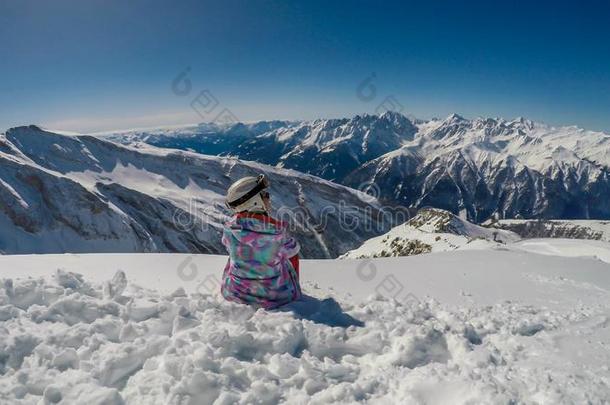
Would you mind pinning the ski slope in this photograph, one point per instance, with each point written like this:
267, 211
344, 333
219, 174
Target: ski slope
504, 325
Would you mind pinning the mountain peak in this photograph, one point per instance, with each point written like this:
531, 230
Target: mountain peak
524, 122
437, 220
25, 128
392, 114
397, 118
431, 230
455, 118
28, 134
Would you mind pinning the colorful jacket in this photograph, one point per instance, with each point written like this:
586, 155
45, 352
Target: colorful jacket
259, 271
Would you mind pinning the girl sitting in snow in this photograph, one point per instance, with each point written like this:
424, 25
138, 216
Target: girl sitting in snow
263, 266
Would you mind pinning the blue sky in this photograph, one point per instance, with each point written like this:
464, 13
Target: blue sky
99, 65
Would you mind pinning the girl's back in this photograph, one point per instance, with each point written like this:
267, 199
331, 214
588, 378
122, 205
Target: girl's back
259, 270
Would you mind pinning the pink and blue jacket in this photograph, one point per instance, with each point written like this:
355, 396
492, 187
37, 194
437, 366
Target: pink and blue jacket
263, 262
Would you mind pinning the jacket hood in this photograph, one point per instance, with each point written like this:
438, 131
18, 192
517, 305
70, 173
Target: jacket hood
258, 224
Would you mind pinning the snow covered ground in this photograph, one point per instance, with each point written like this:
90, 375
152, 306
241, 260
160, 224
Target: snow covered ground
502, 325
567, 247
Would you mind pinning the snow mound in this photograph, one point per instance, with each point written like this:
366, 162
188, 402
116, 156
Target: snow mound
432, 230
66, 339
567, 248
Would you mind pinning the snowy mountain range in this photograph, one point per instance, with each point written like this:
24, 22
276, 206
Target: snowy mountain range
326, 148
63, 193
481, 168
512, 321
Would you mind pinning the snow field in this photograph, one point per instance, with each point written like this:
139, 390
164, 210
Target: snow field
67, 339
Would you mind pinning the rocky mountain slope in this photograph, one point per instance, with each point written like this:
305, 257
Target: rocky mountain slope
326, 148
566, 229
83, 194
432, 230
495, 168
482, 168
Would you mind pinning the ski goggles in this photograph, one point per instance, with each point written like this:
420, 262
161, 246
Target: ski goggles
262, 179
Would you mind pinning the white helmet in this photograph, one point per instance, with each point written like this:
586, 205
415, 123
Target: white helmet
245, 194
